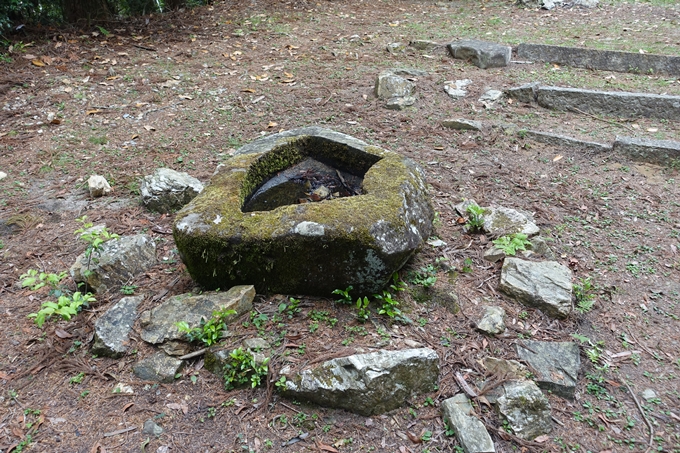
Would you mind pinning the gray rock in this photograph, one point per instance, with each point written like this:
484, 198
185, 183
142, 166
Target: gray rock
3, 175
463, 124
620, 104
540, 247
389, 85
658, 152
500, 221
311, 248
368, 383
159, 324
400, 103
461, 208
648, 394
562, 140
493, 320
525, 93
556, 365
118, 261
470, 431
544, 285
98, 186
493, 254
151, 428
455, 88
490, 98
395, 47
481, 53
112, 328
422, 44
255, 344
525, 408
601, 60
510, 369
176, 348
159, 367
168, 190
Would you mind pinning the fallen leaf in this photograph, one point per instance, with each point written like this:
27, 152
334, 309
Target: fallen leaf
61, 333
185, 96
288, 74
439, 148
134, 136
290, 46
55, 121
323, 447
288, 81
652, 129
38, 63
415, 439
248, 90
541, 439
127, 406
558, 157
149, 128
92, 112
29, 56
272, 124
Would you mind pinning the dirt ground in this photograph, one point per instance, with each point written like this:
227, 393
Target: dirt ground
185, 89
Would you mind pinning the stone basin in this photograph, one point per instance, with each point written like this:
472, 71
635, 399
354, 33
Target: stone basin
308, 248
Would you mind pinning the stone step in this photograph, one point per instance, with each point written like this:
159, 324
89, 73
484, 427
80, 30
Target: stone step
602, 60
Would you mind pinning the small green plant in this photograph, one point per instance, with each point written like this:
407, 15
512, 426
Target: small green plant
104, 31
291, 308
128, 290
428, 402
212, 412
363, 312
208, 332
281, 384
242, 368
94, 237
475, 220
594, 351
427, 436
512, 243
66, 307
426, 276
36, 280
77, 379
345, 297
467, 265
390, 306
583, 293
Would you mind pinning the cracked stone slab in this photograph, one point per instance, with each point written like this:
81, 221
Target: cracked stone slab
482, 54
462, 124
557, 365
159, 324
562, 140
159, 367
470, 431
545, 285
367, 384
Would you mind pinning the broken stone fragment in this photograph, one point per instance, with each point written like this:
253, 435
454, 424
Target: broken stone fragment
367, 383
423, 44
168, 190
462, 124
400, 103
98, 186
112, 328
525, 408
493, 254
389, 85
510, 369
492, 321
117, 262
556, 364
160, 324
455, 88
159, 367
481, 53
470, 431
545, 285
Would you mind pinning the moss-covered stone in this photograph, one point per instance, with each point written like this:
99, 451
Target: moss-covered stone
310, 248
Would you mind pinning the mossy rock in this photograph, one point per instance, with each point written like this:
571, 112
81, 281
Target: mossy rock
311, 248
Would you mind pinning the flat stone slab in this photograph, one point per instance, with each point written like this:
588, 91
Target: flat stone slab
659, 152
367, 384
500, 221
556, 364
159, 367
159, 324
562, 140
482, 54
311, 248
492, 321
470, 431
462, 124
510, 369
601, 60
525, 93
112, 328
544, 285
621, 104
